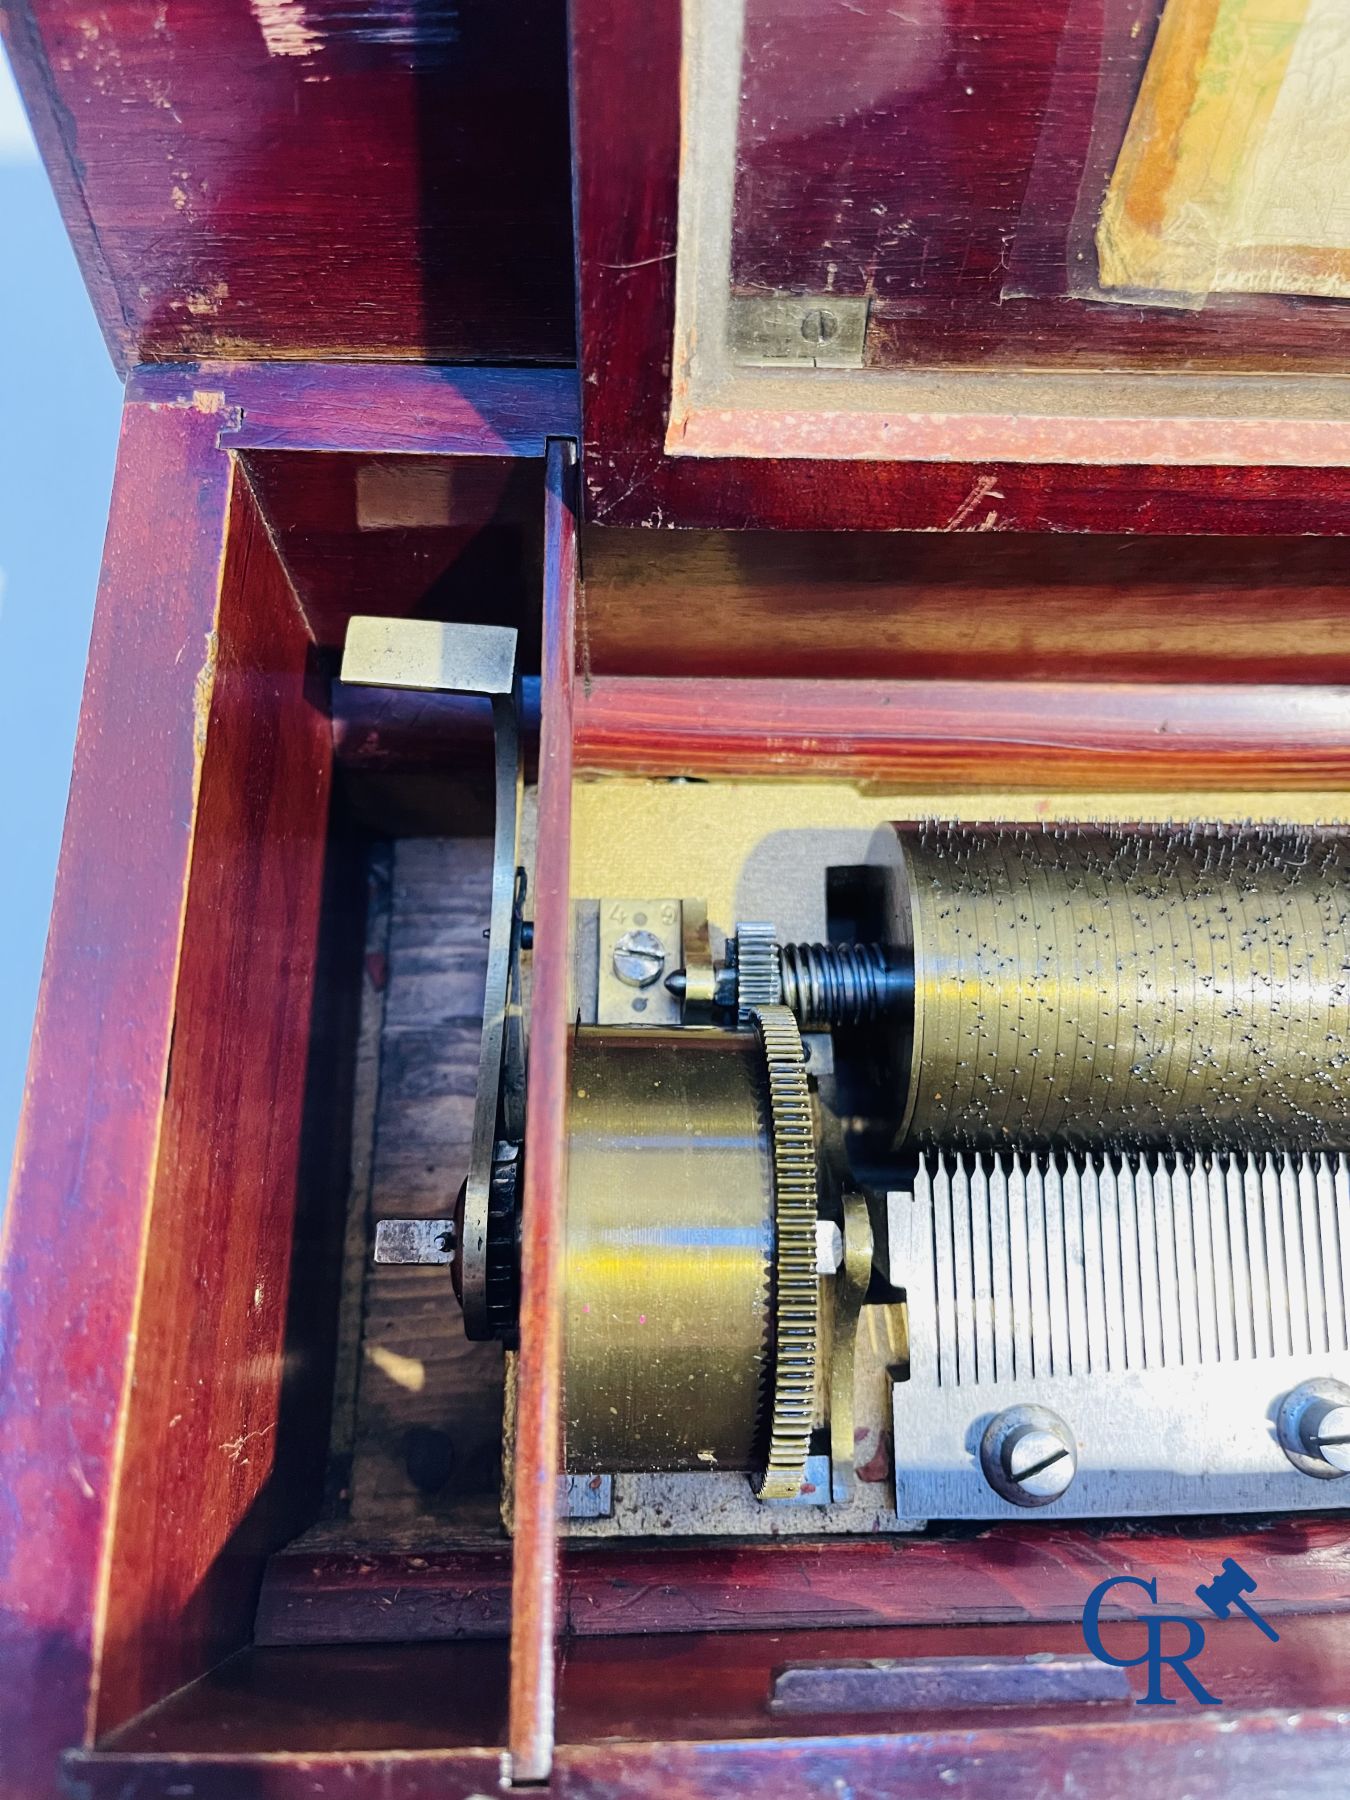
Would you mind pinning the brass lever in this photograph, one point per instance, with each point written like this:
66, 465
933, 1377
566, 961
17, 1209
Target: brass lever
434, 657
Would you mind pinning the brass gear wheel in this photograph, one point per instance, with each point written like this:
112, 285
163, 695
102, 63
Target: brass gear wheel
758, 982
796, 1289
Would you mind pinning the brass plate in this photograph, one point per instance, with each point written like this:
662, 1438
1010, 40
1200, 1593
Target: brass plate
617, 1002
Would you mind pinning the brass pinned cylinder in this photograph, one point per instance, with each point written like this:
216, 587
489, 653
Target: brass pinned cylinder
670, 1251
1126, 988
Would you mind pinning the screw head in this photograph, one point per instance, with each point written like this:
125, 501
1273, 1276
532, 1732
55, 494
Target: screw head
1040, 1463
820, 326
1329, 1437
639, 958
1029, 1455
1313, 1426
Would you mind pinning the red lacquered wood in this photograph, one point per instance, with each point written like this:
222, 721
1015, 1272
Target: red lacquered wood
75, 1225
318, 1775
717, 1690
374, 524
627, 178
650, 1689
395, 729
96, 1123
538, 1443
196, 1508
1197, 1754
947, 733
1201, 1756
690, 1717
310, 181
887, 606
360, 1700
1003, 1575
385, 521
866, 164
385, 411
383, 1596
421, 536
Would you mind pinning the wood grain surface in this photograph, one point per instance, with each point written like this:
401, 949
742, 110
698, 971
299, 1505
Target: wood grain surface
1024, 607
379, 410
416, 536
427, 1432
74, 1229
925, 734
197, 1499
165, 1355
538, 1441
627, 181
307, 181
1207, 1758
690, 1717
998, 1575
682, 1690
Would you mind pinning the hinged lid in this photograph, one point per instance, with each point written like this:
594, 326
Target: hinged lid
310, 178
975, 234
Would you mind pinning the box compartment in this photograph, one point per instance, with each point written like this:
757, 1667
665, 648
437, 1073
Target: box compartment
255, 1605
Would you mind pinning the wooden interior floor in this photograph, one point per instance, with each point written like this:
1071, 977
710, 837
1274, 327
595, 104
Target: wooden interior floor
658, 1688
417, 1418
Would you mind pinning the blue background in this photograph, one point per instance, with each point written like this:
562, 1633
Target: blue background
59, 406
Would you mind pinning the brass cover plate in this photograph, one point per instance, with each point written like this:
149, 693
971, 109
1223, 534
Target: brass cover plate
826, 331
619, 1002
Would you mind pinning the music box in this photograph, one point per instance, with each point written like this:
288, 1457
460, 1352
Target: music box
689, 1126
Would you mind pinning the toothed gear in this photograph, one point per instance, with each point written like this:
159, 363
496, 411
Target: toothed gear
759, 980
796, 1290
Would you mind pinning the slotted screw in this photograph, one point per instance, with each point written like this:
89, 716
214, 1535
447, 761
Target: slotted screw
1029, 1455
1313, 1426
820, 326
1040, 1463
639, 958
1327, 1434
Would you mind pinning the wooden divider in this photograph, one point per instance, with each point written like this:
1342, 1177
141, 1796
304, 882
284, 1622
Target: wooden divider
539, 1388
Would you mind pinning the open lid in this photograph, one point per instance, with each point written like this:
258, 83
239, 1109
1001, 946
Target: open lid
310, 178
1108, 233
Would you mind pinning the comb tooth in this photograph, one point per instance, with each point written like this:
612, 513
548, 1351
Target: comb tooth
1239, 1250
1333, 1277
1310, 1248
1263, 1314
1002, 1309
1341, 1183
1019, 1273
1207, 1237
1018, 1301
1277, 1244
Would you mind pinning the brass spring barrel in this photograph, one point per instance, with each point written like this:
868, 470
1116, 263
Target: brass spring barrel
1121, 988
670, 1247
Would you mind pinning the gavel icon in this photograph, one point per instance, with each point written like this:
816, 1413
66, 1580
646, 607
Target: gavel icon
1225, 1592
